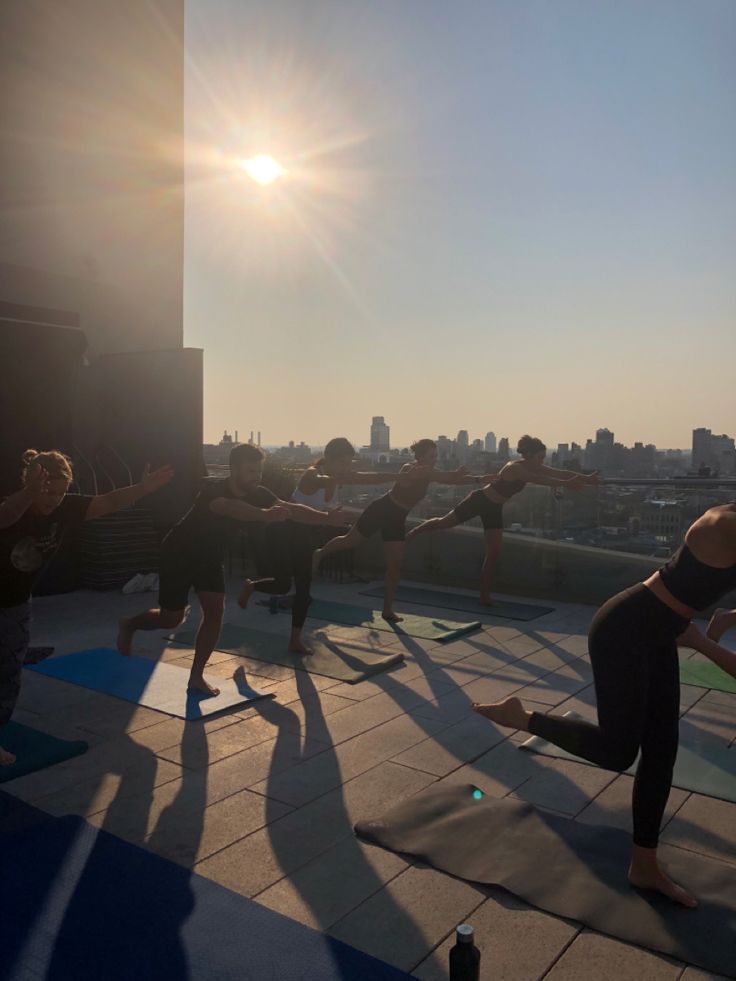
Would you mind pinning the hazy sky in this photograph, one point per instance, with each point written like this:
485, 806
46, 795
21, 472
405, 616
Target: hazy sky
507, 215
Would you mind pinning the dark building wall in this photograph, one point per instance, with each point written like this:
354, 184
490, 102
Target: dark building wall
91, 165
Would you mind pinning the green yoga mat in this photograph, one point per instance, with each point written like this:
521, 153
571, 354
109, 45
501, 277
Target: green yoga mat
701, 768
35, 750
331, 658
705, 674
428, 628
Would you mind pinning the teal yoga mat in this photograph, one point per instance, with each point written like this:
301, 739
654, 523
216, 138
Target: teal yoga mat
154, 684
705, 674
428, 628
459, 601
35, 750
331, 658
700, 767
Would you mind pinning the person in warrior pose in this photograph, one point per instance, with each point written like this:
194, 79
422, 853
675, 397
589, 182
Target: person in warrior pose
193, 555
290, 549
33, 523
388, 515
487, 502
633, 642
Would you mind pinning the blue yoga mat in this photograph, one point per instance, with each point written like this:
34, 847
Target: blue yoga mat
155, 684
35, 750
82, 905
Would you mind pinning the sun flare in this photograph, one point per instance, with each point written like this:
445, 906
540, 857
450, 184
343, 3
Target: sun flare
262, 168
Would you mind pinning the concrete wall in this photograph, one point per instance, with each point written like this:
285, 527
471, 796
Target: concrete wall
91, 165
532, 567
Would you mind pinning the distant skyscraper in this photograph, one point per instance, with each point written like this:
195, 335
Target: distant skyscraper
490, 442
702, 451
462, 445
380, 434
478, 445
503, 448
445, 448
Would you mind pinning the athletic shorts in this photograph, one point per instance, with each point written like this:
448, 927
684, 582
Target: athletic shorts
477, 505
180, 570
386, 516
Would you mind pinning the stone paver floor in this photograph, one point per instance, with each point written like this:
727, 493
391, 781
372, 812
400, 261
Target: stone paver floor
263, 800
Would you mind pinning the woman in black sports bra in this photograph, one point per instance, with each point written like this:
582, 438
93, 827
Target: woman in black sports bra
633, 643
388, 515
487, 502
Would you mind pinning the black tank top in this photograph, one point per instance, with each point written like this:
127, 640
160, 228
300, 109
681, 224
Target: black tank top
507, 488
694, 583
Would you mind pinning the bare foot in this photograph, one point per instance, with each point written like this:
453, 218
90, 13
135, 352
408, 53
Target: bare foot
719, 624
125, 636
487, 601
199, 686
245, 593
316, 559
654, 878
509, 713
6, 757
391, 617
297, 647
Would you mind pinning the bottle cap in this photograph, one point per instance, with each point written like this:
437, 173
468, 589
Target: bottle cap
465, 933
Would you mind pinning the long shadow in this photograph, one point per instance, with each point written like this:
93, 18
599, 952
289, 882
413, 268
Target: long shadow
282, 830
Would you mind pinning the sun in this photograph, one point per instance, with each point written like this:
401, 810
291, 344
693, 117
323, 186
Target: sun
263, 168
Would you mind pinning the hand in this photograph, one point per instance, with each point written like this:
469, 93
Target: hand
37, 480
277, 512
152, 480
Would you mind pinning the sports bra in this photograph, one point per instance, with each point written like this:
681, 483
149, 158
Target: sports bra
694, 583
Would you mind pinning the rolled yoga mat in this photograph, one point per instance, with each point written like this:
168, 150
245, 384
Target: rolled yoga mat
700, 766
458, 601
153, 684
332, 658
35, 750
80, 904
705, 674
567, 868
428, 628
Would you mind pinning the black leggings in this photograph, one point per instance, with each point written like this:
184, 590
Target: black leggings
633, 651
288, 548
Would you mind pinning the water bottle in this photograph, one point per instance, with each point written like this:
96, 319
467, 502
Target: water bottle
464, 956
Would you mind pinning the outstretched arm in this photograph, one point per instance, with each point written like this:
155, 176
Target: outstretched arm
696, 639
123, 498
226, 507
311, 516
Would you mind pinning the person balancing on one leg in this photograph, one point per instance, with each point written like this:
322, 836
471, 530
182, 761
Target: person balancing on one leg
33, 523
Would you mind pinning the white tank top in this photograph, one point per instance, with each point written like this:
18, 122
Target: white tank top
317, 500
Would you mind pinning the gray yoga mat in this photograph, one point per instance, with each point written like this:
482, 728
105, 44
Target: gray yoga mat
429, 628
468, 604
567, 868
699, 767
331, 658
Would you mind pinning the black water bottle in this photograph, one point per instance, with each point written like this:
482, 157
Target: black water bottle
464, 956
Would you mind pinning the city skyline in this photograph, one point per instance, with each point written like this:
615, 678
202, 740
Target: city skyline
484, 218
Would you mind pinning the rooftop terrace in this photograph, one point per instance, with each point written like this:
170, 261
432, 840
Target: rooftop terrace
263, 800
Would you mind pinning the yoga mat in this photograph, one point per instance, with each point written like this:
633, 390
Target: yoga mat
82, 905
705, 674
700, 767
566, 868
331, 658
412, 626
35, 750
154, 684
469, 604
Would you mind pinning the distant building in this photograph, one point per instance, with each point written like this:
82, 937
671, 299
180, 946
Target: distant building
503, 448
490, 443
380, 435
462, 444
